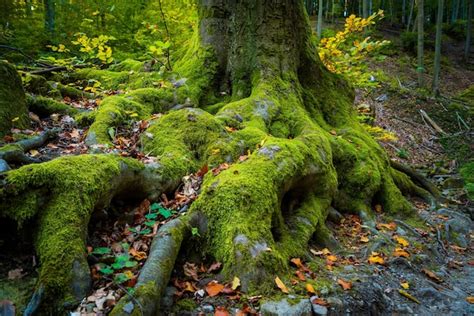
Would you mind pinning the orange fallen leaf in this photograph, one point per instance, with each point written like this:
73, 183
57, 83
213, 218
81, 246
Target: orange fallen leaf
332, 258
213, 288
375, 258
402, 241
310, 288
281, 285
470, 299
432, 275
138, 255
221, 311
297, 262
320, 301
399, 252
346, 285
300, 275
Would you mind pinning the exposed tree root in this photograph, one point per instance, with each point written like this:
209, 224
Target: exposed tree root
15, 153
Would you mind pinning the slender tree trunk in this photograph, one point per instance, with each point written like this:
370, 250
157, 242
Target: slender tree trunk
365, 8
421, 41
404, 12
49, 17
410, 16
320, 18
437, 61
467, 46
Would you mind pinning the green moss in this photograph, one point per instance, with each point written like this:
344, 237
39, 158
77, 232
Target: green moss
17, 291
61, 195
128, 65
467, 172
185, 304
44, 106
13, 111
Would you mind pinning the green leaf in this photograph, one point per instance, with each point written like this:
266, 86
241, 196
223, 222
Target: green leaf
155, 206
151, 216
145, 231
105, 269
130, 264
101, 251
120, 278
111, 132
125, 246
118, 265
165, 213
150, 223
195, 231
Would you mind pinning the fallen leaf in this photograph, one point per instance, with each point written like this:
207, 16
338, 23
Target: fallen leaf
310, 288
331, 258
235, 283
300, 275
15, 274
378, 208
375, 258
364, 239
470, 299
389, 226
432, 275
399, 252
320, 301
34, 153
138, 255
402, 241
281, 285
346, 285
333, 132
297, 262
409, 296
214, 267
405, 285
213, 288
190, 270
221, 311
189, 287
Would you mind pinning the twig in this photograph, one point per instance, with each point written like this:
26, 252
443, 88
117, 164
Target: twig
167, 34
432, 122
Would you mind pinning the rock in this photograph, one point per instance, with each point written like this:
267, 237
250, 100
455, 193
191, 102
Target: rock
334, 215
208, 309
349, 268
428, 293
319, 309
283, 308
13, 109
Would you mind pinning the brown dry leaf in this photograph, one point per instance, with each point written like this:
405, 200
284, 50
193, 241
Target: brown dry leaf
138, 255
297, 262
190, 270
320, 301
281, 285
389, 226
346, 285
401, 241
243, 158
458, 249
375, 258
310, 288
399, 252
364, 239
324, 252
214, 267
213, 288
235, 283
378, 208
470, 299
333, 132
300, 275
15, 274
432, 275
221, 311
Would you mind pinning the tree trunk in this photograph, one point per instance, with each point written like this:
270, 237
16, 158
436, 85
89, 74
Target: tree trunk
437, 61
253, 67
49, 16
320, 18
467, 46
365, 9
421, 41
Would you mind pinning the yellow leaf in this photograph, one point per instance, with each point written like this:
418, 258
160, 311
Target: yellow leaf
364, 239
409, 296
310, 288
376, 259
235, 283
405, 285
281, 285
34, 153
378, 208
399, 252
470, 299
216, 151
403, 242
332, 258
15, 119
128, 274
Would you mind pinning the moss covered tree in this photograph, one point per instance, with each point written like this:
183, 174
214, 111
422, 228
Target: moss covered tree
251, 66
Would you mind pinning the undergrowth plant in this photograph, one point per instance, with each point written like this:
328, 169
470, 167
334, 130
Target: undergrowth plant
346, 52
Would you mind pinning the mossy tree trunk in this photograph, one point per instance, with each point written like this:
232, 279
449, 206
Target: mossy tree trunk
254, 86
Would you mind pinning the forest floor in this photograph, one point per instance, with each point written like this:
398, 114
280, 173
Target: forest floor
381, 266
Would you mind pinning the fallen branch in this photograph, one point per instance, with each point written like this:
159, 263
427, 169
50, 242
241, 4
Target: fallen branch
432, 122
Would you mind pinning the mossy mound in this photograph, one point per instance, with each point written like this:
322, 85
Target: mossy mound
13, 110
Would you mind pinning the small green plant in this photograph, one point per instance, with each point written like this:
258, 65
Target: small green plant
195, 232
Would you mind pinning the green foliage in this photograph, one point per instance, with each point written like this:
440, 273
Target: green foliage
347, 51
467, 172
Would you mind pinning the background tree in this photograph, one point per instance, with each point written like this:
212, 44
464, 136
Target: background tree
437, 60
421, 41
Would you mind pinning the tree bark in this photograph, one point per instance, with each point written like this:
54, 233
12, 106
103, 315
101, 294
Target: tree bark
421, 41
437, 61
467, 46
320, 18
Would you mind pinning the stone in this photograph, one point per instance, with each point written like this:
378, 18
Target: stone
319, 309
283, 308
208, 309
